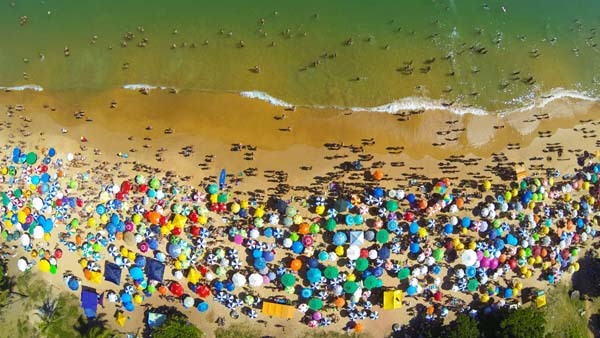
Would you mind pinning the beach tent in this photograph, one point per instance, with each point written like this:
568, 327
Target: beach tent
540, 299
520, 173
155, 270
357, 238
112, 272
156, 319
392, 299
89, 302
278, 310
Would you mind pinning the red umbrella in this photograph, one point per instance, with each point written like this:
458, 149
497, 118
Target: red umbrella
58, 253
203, 291
438, 296
176, 289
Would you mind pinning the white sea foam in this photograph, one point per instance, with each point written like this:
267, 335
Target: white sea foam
24, 87
138, 86
423, 103
255, 94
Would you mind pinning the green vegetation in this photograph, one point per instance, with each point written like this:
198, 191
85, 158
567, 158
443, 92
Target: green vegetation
564, 316
332, 334
526, 322
177, 326
463, 327
238, 331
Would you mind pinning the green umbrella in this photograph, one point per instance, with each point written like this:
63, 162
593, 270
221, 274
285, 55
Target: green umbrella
30, 158
362, 264
314, 228
350, 287
222, 198
331, 272
154, 183
329, 226
315, 304
391, 205
383, 236
288, 280
438, 254
473, 285
403, 273
371, 282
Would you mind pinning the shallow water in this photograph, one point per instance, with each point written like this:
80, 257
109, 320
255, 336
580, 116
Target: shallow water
303, 32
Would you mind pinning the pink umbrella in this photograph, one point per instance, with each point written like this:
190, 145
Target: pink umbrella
307, 240
266, 279
129, 226
317, 315
143, 247
238, 239
313, 323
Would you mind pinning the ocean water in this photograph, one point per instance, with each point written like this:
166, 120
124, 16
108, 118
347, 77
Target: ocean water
468, 56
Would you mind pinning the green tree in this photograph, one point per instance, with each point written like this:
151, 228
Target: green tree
99, 332
49, 315
177, 326
523, 323
462, 327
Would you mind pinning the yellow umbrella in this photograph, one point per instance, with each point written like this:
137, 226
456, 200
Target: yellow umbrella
193, 276
121, 318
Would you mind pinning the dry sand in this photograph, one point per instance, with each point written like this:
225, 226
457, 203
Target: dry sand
211, 123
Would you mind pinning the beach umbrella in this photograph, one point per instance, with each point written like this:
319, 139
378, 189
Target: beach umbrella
404, 273
362, 264
202, 307
350, 287
238, 279
382, 236
340, 238
176, 289
469, 257
315, 304
353, 252
411, 290
341, 205
255, 280
306, 293
371, 282
331, 272
472, 285
73, 284
288, 279
188, 302
22, 264
203, 291
391, 205
330, 225
313, 275
414, 248
260, 263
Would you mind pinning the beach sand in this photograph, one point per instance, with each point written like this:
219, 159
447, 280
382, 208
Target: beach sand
408, 144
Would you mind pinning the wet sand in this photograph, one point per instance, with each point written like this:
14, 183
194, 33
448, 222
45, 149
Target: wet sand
411, 143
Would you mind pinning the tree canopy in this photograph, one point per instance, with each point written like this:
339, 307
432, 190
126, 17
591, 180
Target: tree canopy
463, 327
526, 322
177, 326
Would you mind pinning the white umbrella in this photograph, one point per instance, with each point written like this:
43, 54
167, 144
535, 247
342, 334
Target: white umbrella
469, 257
238, 279
255, 280
37, 203
38, 232
112, 297
400, 194
287, 243
353, 252
22, 264
25, 240
210, 276
188, 302
333, 257
373, 254
178, 275
254, 233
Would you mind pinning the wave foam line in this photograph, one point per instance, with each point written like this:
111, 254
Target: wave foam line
423, 103
138, 86
23, 87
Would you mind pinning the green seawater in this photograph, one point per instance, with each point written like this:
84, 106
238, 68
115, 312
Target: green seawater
310, 52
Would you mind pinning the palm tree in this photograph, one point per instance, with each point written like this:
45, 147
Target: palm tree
99, 332
94, 327
23, 328
49, 314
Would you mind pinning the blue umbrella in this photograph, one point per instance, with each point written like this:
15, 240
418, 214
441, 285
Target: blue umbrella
413, 228
313, 275
306, 293
349, 219
268, 255
202, 307
73, 284
378, 192
340, 238
260, 263
218, 286
313, 263
136, 273
415, 248
466, 222
392, 225
229, 286
448, 229
140, 261
128, 306
411, 291
297, 247
384, 253
268, 232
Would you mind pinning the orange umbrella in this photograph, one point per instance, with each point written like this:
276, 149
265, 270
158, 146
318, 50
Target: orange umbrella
296, 264
303, 228
358, 327
340, 302
377, 174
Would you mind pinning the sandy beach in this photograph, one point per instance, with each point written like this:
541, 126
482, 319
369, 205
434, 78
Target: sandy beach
294, 155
